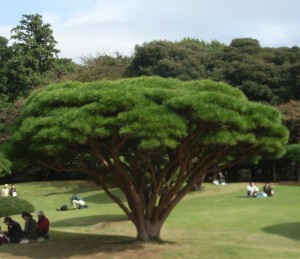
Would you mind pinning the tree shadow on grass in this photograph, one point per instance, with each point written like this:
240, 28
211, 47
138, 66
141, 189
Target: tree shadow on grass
103, 198
68, 245
88, 221
80, 245
75, 190
99, 198
290, 230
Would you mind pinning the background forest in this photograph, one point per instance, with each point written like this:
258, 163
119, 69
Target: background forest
30, 60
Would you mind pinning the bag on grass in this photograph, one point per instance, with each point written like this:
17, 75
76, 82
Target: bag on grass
62, 208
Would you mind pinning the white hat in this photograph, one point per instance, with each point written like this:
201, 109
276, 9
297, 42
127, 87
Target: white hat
39, 213
6, 185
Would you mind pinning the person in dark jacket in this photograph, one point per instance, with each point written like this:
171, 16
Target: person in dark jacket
14, 230
30, 229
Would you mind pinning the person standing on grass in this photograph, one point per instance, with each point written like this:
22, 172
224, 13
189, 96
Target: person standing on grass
42, 225
13, 191
252, 190
5, 191
30, 229
14, 230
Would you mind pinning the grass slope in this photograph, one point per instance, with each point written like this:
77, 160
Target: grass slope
217, 222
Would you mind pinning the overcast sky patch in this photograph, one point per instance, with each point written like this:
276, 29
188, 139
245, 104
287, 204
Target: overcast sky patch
89, 27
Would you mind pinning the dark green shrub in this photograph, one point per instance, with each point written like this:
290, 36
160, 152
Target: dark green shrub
14, 205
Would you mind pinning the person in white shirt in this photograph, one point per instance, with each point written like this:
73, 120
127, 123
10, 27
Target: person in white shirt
5, 191
252, 190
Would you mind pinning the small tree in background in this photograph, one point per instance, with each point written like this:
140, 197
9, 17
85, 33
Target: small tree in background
102, 67
151, 137
34, 54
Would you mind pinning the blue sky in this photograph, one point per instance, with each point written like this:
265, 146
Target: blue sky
88, 27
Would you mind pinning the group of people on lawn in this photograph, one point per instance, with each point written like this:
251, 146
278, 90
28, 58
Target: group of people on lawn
33, 230
5, 192
253, 190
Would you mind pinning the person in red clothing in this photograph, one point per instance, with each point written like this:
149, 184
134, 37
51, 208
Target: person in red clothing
42, 225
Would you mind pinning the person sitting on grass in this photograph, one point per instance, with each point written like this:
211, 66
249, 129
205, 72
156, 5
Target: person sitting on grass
30, 230
220, 179
4, 239
42, 225
268, 189
252, 190
14, 230
77, 201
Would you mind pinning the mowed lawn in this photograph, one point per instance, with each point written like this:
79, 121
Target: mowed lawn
216, 222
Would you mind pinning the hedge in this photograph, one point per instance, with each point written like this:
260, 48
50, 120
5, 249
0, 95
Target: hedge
14, 205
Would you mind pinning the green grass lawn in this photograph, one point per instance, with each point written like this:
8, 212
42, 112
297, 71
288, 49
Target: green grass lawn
217, 222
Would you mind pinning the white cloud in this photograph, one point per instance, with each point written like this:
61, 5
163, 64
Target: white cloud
102, 12
78, 41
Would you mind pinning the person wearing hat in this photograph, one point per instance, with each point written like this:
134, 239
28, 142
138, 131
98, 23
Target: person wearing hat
5, 191
42, 225
14, 230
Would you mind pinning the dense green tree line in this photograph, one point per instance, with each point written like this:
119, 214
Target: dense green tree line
269, 75
264, 74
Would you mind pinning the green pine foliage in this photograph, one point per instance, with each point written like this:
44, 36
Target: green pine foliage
153, 112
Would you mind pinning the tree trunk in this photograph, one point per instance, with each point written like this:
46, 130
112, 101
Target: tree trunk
198, 183
148, 231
